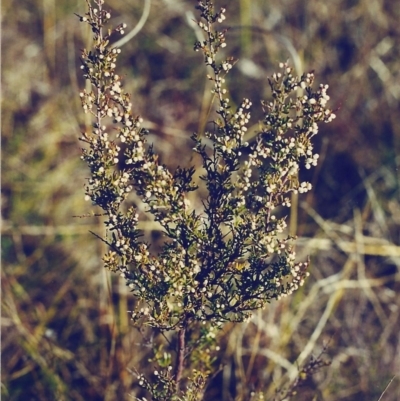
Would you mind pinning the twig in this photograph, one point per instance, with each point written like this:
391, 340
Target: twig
181, 357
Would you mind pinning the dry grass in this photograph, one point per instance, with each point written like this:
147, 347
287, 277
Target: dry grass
65, 330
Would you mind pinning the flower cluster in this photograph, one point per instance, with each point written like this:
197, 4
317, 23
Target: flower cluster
233, 257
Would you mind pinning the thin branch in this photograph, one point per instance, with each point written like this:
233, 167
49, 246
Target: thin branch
102, 239
181, 357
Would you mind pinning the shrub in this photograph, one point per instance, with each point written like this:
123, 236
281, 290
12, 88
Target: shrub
218, 264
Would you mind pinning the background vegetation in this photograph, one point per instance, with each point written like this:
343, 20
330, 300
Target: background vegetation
65, 331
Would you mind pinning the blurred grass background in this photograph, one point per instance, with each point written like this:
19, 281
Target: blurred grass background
65, 331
